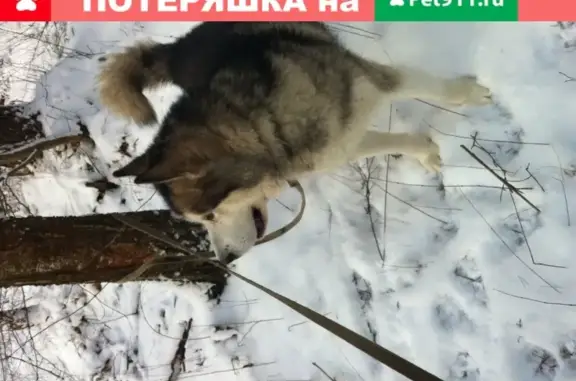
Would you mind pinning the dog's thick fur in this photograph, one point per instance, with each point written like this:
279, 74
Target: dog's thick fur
262, 103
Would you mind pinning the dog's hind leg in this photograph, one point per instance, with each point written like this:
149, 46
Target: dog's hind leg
418, 146
401, 82
463, 90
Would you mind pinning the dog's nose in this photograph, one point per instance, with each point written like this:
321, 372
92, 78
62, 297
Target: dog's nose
229, 257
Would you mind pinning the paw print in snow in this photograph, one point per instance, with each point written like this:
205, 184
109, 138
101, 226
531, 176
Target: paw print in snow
26, 5
396, 3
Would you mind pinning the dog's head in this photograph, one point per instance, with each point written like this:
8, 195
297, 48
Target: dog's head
228, 195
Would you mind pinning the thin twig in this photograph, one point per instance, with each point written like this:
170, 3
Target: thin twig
536, 300
366, 179
22, 152
484, 140
178, 363
413, 207
526, 237
508, 246
28, 327
49, 326
562, 182
19, 166
303, 322
511, 187
442, 108
534, 177
323, 372
567, 78
448, 186
490, 154
233, 369
388, 158
37, 366
356, 31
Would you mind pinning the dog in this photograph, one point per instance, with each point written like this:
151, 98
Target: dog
262, 103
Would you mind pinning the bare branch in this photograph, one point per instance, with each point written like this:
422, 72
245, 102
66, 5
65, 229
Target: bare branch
19, 166
527, 169
536, 300
233, 369
526, 238
567, 78
484, 140
511, 187
30, 150
178, 362
388, 158
413, 206
442, 108
366, 185
508, 246
563, 183
323, 372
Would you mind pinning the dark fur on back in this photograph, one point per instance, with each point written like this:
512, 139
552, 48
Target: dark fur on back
195, 59
251, 90
226, 69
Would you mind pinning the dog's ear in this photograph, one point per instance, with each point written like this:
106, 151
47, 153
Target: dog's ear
160, 173
149, 168
136, 167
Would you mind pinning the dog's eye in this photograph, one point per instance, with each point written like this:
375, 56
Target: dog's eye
209, 217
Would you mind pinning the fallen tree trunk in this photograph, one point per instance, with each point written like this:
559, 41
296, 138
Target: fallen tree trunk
98, 248
36, 251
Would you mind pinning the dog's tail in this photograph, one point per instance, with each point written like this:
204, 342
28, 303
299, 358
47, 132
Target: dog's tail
124, 76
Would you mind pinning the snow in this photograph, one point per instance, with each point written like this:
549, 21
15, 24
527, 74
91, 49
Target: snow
448, 271
28, 49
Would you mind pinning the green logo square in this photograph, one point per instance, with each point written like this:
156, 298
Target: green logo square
446, 10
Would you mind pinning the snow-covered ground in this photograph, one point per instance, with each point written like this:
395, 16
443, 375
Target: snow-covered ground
27, 49
450, 272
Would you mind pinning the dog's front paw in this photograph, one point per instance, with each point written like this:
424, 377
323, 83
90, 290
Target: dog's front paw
466, 90
429, 154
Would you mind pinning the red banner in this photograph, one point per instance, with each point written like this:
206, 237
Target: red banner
546, 10
25, 10
212, 10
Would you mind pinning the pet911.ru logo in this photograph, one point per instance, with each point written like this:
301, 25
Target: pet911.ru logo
446, 10
447, 3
